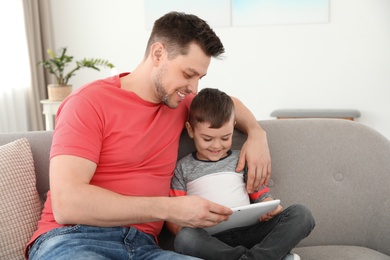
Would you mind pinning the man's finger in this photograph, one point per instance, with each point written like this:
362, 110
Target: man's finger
268, 174
241, 163
251, 180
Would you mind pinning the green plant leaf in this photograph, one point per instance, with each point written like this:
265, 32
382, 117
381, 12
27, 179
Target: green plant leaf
57, 63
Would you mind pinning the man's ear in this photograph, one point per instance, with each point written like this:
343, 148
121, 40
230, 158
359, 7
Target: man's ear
157, 51
190, 131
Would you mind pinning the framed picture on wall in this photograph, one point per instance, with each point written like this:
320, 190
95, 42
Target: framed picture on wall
265, 12
217, 13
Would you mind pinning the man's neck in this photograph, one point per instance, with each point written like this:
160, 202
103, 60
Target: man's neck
137, 82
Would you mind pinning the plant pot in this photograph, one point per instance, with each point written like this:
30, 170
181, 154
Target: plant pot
58, 92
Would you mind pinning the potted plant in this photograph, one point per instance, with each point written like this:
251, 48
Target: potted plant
56, 65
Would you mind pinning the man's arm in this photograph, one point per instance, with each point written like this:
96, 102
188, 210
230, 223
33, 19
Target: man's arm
255, 151
76, 201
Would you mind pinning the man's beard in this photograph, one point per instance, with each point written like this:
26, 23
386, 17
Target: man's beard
160, 90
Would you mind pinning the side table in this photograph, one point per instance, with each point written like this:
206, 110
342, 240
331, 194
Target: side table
50, 110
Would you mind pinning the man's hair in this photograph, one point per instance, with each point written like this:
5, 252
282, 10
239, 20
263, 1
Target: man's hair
176, 31
211, 106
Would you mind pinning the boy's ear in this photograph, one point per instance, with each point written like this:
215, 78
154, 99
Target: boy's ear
190, 131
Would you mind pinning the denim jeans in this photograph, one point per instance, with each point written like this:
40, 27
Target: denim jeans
270, 240
87, 242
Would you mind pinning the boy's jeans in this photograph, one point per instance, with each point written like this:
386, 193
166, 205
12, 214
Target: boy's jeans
87, 242
272, 239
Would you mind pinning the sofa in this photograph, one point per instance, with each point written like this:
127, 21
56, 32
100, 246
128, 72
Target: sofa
340, 169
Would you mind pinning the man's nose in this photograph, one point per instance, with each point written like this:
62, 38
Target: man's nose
193, 86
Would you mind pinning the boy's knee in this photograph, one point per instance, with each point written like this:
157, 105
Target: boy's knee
304, 216
184, 240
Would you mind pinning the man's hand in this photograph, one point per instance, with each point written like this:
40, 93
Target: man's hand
197, 212
255, 153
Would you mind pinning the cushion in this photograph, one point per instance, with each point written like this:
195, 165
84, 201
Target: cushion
339, 252
20, 206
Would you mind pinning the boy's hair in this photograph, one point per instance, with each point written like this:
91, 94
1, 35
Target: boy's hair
211, 106
177, 30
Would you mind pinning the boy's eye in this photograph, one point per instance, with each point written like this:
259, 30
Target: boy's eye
225, 139
187, 76
206, 140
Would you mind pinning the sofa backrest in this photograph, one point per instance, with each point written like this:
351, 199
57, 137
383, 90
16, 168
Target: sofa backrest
340, 169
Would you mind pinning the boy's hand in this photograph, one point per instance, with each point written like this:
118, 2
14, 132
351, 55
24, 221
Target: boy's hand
271, 214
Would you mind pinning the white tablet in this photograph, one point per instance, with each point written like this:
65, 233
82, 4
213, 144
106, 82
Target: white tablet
244, 216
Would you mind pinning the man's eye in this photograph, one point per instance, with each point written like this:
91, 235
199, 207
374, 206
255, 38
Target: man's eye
187, 76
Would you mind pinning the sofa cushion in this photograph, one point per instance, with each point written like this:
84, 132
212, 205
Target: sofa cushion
339, 252
20, 206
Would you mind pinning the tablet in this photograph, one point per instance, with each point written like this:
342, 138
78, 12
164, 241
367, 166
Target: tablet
244, 216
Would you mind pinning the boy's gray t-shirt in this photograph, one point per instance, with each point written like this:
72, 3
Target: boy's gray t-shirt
214, 180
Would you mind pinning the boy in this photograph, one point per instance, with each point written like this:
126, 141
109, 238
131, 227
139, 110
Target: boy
209, 172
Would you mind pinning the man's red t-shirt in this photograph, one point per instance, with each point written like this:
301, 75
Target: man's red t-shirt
133, 142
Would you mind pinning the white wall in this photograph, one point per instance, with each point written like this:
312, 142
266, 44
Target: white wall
341, 64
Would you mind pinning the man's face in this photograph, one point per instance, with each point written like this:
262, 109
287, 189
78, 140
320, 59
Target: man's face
212, 144
180, 76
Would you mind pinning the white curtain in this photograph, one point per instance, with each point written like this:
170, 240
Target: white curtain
15, 75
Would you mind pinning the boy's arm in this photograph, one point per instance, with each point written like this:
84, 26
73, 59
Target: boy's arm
255, 151
173, 228
260, 195
178, 188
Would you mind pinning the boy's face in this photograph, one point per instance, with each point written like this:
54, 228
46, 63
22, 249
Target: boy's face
211, 144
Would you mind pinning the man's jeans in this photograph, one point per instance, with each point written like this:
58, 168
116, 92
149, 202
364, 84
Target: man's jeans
272, 239
86, 242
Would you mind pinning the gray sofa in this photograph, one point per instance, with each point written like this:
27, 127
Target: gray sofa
338, 168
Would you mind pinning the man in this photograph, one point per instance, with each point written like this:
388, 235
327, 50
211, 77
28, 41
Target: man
115, 148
